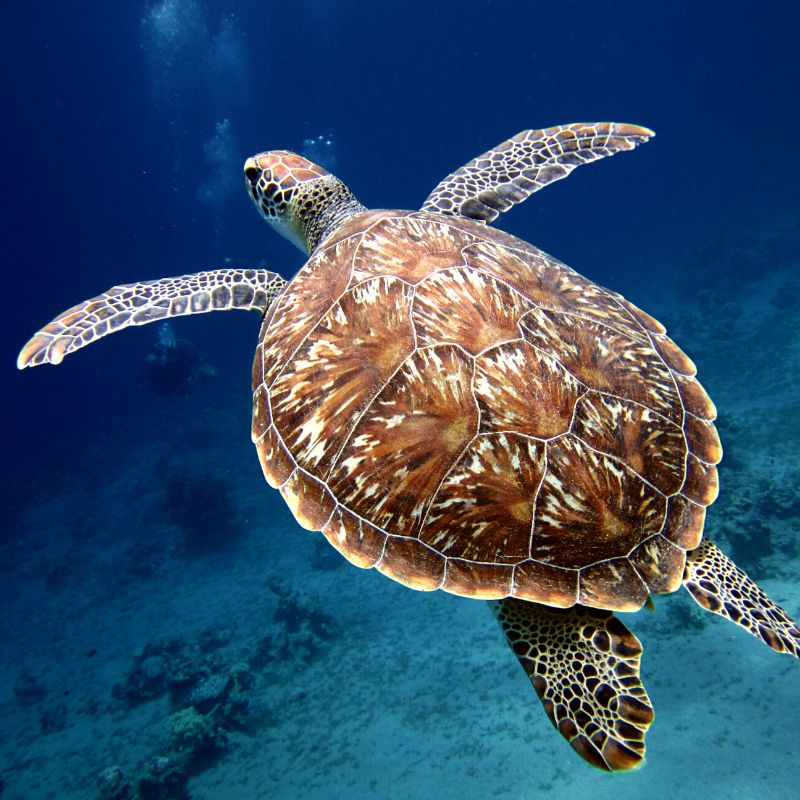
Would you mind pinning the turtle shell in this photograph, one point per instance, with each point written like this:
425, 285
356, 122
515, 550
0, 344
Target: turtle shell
456, 408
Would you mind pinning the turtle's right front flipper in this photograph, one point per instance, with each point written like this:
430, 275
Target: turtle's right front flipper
514, 170
150, 301
584, 664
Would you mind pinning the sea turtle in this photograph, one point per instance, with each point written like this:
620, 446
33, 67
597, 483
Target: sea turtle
459, 410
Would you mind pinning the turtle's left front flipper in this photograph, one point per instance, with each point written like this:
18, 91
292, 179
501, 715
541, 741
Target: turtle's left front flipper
718, 585
584, 665
150, 301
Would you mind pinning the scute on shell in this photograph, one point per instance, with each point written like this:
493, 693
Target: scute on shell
455, 408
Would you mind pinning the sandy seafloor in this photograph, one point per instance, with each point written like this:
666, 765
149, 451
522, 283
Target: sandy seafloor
411, 695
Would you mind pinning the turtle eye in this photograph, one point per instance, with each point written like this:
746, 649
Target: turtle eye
252, 174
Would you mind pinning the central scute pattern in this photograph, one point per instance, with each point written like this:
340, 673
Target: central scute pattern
461, 411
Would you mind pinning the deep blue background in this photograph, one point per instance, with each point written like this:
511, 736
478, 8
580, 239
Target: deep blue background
103, 154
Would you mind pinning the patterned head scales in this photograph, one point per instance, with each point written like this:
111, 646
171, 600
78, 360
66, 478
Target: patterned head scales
282, 185
300, 200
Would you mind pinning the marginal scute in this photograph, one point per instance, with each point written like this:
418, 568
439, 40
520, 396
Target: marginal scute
412, 563
258, 366
702, 482
358, 541
659, 563
482, 581
674, 357
262, 418
695, 399
644, 319
308, 499
703, 439
544, 583
684, 525
276, 462
613, 585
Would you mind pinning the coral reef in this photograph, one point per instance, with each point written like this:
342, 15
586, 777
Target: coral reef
306, 626
299, 611
111, 784
172, 667
209, 694
164, 779
194, 736
147, 679
209, 698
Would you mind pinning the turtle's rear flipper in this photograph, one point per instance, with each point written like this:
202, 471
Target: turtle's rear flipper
718, 585
584, 665
141, 303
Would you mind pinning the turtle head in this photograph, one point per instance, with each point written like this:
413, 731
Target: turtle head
302, 201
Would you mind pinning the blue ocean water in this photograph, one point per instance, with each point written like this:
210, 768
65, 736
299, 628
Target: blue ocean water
140, 546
